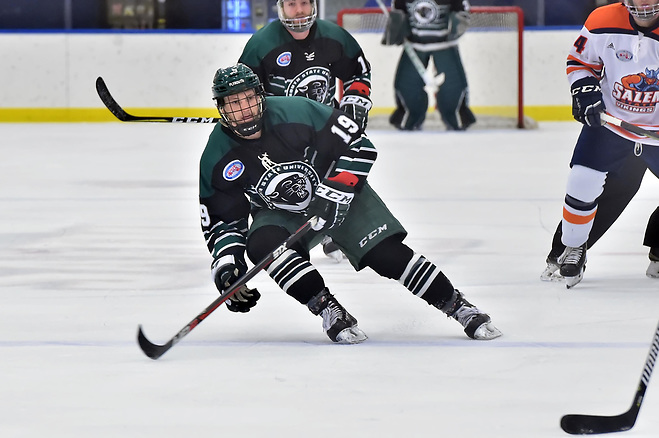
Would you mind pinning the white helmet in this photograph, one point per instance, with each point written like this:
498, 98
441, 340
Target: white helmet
297, 24
642, 12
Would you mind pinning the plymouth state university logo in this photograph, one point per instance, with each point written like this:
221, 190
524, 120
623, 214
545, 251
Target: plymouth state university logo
313, 83
287, 186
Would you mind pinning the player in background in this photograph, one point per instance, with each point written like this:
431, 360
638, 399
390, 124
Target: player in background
300, 55
283, 159
432, 28
613, 66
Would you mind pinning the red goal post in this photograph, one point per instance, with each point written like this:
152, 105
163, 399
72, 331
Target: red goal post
492, 52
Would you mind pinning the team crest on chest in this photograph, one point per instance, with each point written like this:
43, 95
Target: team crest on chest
425, 11
286, 186
638, 92
313, 83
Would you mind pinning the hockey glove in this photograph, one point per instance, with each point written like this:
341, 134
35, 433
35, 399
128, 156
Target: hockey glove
243, 300
331, 200
397, 28
587, 101
226, 270
357, 107
458, 24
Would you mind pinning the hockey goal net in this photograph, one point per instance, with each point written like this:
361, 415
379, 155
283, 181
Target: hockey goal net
492, 54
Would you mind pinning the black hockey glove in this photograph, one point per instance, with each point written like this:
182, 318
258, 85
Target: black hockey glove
226, 270
357, 107
331, 200
458, 24
587, 101
397, 28
243, 300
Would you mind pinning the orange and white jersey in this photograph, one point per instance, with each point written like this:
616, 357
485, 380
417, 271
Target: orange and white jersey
625, 59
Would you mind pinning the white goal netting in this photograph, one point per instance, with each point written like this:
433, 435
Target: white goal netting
491, 51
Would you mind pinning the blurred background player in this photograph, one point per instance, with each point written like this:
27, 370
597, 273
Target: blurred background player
432, 28
283, 159
300, 55
629, 50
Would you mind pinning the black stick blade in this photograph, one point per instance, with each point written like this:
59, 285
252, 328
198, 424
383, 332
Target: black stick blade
577, 424
109, 102
152, 350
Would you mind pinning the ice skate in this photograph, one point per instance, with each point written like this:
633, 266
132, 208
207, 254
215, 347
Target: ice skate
477, 325
340, 326
551, 270
331, 250
653, 269
573, 265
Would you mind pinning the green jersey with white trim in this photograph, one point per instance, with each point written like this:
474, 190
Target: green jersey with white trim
302, 142
309, 67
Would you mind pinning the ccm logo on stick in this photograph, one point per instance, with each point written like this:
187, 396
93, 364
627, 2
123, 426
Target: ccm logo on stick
192, 120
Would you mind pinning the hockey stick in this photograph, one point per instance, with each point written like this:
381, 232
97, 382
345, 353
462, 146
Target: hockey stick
578, 424
628, 126
154, 351
432, 82
122, 115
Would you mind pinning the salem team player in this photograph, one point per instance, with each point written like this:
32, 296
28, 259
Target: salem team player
283, 159
300, 55
613, 66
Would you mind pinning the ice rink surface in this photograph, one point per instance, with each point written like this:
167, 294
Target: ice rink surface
99, 232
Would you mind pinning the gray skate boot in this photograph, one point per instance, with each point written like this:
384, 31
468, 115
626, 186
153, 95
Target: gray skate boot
340, 326
477, 325
573, 265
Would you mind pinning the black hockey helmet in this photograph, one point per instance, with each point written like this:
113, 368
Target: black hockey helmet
243, 113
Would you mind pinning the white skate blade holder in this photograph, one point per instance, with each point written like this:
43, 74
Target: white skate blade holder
486, 332
551, 274
570, 282
351, 335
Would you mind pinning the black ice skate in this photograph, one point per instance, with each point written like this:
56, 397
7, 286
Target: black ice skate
573, 265
340, 326
653, 269
551, 270
331, 250
477, 325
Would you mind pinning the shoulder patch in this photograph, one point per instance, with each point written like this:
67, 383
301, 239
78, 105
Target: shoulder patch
284, 59
609, 17
233, 170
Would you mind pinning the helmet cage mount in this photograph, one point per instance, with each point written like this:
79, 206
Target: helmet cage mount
297, 24
646, 13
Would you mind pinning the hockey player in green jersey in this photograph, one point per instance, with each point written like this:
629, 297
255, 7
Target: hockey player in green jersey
281, 160
300, 55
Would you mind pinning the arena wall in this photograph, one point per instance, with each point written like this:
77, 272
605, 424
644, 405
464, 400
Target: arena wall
50, 76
